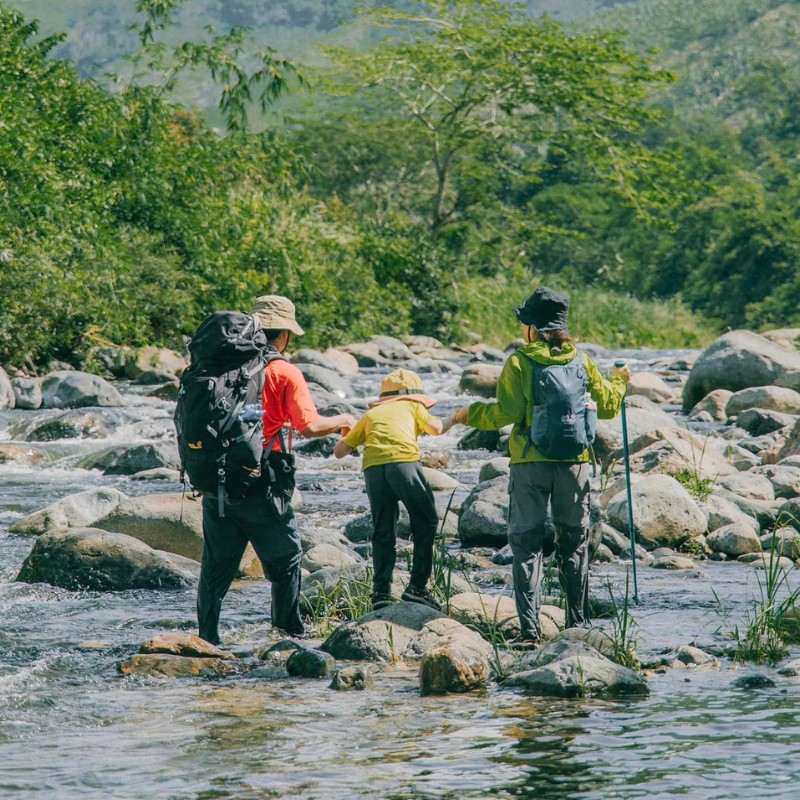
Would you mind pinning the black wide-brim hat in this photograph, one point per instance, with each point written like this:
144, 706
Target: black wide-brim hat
546, 310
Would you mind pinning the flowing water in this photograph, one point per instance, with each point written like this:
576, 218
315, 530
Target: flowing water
72, 727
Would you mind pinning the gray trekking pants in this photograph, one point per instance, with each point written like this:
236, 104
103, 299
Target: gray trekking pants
566, 487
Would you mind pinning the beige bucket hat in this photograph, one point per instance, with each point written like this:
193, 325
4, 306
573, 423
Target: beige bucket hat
275, 312
402, 384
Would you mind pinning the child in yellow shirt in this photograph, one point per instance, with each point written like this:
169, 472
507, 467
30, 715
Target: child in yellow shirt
393, 474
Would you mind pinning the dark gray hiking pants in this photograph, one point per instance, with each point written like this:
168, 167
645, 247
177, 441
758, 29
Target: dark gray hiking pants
268, 524
387, 486
566, 487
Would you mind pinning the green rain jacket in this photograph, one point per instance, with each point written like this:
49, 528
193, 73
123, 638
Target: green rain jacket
515, 398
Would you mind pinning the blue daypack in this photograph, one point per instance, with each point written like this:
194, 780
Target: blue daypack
564, 415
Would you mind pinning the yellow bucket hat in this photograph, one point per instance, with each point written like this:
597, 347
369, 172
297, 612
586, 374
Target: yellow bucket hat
402, 384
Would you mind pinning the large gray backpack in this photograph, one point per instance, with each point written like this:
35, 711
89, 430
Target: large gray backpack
564, 415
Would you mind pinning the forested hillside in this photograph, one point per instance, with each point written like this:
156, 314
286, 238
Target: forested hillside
421, 183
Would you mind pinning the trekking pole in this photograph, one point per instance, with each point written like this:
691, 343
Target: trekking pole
631, 529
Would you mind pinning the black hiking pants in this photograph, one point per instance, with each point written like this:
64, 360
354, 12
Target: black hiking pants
566, 487
387, 486
268, 523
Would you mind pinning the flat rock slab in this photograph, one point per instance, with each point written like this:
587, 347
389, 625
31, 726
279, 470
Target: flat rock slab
162, 665
184, 644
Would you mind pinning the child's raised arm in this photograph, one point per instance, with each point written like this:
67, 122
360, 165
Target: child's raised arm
436, 426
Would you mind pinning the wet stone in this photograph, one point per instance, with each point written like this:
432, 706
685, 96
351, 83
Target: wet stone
756, 681
170, 666
307, 663
184, 644
349, 678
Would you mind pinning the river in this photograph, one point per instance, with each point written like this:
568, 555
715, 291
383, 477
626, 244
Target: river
72, 727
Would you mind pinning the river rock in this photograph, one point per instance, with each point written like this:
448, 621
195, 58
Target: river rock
132, 459
741, 360
789, 513
734, 540
613, 539
674, 562
154, 358
764, 511
767, 561
154, 377
759, 421
593, 637
171, 522
168, 391
749, 485
318, 446
89, 558
452, 667
168, 666
348, 678
7, 396
770, 398
328, 379
344, 363
786, 446
440, 481
69, 389
480, 440
79, 510
366, 354
754, 681
22, 455
352, 578
786, 542
495, 468
714, 403
480, 379
791, 669
75, 424
695, 657
498, 614
306, 356
643, 417
721, 512
651, 386
184, 644
785, 480
579, 671
391, 348
157, 474
484, 515
27, 393
327, 555
308, 663
664, 514
675, 450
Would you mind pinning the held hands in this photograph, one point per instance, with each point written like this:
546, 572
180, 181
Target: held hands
348, 423
460, 416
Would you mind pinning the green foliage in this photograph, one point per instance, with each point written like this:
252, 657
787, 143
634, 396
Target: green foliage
349, 599
699, 488
623, 627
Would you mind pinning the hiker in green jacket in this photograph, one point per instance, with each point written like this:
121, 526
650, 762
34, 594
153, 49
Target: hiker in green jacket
538, 477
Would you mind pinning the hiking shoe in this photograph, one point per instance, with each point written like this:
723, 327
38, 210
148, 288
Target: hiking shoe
383, 599
414, 595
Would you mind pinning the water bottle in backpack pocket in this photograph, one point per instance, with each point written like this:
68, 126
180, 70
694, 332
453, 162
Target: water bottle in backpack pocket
564, 421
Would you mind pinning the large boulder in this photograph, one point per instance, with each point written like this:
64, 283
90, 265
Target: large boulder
577, 670
721, 512
27, 393
495, 468
497, 614
171, 522
90, 558
73, 424
328, 379
328, 555
69, 389
734, 540
306, 356
391, 348
664, 514
154, 358
344, 363
133, 459
771, 398
7, 396
741, 360
786, 542
651, 386
785, 480
480, 379
484, 515
670, 450
401, 632
760, 421
366, 354
79, 510
789, 513
748, 485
